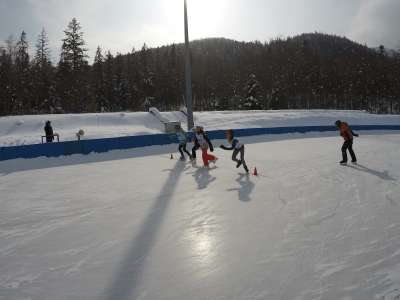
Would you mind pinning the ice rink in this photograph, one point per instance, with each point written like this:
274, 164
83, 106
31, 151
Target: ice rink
138, 225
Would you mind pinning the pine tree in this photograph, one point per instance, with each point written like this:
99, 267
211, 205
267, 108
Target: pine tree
98, 82
42, 56
43, 100
73, 51
24, 83
73, 85
108, 82
253, 98
7, 89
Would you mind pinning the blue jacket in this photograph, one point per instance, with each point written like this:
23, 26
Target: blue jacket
182, 137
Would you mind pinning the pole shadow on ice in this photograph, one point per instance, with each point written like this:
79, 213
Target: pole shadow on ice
382, 175
127, 279
245, 189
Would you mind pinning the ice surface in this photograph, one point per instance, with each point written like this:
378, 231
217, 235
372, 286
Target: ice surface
138, 225
19, 130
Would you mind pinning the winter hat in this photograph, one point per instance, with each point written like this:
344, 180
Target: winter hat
338, 122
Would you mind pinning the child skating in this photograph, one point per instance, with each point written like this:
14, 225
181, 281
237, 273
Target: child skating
347, 134
202, 141
182, 139
237, 148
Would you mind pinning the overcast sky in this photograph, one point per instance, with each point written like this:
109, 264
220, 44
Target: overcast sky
120, 25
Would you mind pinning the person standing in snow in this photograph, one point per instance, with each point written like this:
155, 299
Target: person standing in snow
202, 141
182, 139
48, 129
347, 134
237, 148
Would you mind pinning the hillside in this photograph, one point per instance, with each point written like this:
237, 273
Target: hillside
309, 71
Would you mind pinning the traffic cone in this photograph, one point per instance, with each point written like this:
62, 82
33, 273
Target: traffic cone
255, 173
172, 157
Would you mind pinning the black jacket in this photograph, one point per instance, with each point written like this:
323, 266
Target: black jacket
49, 132
196, 142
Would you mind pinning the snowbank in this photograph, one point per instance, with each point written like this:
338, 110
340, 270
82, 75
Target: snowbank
21, 130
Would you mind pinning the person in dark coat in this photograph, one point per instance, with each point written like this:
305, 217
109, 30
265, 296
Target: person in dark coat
48, 129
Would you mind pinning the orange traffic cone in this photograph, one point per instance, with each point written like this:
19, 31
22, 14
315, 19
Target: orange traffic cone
172, 157
255, 173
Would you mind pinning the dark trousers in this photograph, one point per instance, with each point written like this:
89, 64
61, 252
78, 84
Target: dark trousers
49, 138
194, 149
182, 148
348, 145
235, 153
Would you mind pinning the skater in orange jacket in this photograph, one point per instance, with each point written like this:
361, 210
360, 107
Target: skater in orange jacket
347, 134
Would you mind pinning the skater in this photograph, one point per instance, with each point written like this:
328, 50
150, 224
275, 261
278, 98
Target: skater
182, 139
347, 134
48, 129
202, 141
237, 148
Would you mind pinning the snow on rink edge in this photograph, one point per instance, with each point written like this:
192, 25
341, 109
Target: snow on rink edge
137, 225
23, 130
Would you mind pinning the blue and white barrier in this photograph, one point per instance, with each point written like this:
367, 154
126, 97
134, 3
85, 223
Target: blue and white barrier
120, 143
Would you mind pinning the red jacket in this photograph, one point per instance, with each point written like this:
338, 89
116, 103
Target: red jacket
345, 131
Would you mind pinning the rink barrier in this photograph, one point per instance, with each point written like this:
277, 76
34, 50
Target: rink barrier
130, 142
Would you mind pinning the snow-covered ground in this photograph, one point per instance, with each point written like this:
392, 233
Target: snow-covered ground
19, 130
137, 225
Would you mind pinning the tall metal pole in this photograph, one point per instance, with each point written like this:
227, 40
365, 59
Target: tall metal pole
188, 73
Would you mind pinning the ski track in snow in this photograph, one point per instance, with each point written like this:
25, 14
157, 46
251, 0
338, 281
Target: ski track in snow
125, 226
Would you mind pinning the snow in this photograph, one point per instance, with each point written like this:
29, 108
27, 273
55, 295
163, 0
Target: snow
19, 130
137, 225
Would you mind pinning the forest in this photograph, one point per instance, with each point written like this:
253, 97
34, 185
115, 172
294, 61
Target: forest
308, 71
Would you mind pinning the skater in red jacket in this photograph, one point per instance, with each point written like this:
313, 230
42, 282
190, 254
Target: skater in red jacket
347, 134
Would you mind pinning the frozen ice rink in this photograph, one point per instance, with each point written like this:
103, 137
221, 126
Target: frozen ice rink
138, 225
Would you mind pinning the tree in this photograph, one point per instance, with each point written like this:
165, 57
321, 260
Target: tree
73, 52
253, 98
43, 98
98, 81
73, 85
42, 56
23, 83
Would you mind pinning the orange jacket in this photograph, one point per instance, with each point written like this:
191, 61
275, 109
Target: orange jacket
345, 131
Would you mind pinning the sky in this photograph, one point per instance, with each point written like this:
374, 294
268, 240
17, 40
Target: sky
121, 25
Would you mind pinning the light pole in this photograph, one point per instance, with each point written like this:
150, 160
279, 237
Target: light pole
188, 74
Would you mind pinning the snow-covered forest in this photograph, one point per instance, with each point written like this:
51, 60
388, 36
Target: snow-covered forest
307, 71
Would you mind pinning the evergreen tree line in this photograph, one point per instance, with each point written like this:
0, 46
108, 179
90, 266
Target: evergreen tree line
309, 71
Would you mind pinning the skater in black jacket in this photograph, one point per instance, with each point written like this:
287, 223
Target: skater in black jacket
201, 140
237, 148
48, 129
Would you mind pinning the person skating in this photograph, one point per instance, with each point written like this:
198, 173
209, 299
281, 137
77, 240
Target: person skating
182, 139
48, 129
237, 148
202, 141
347, 134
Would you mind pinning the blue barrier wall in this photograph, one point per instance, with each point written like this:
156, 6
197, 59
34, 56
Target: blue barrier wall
119, 143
